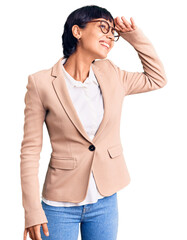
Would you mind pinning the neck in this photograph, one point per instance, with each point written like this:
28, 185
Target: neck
78, 66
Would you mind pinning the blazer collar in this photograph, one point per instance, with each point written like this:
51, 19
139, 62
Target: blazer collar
62, 93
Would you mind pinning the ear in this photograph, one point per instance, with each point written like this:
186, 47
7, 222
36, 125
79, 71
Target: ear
76, 31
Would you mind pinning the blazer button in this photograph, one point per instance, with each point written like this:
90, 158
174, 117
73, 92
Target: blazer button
91, 147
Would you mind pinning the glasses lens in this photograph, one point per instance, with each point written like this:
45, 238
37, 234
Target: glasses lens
104, 27
115, 33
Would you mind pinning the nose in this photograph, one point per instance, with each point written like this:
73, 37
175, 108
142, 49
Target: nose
110, 35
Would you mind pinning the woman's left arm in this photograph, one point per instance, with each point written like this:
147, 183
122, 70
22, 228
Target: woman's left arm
154, 76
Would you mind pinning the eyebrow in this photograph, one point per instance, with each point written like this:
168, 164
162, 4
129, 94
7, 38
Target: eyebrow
107, 22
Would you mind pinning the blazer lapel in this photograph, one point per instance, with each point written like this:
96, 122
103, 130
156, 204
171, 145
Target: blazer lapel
62, 93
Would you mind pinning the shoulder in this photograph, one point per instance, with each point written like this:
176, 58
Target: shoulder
41, 74
106, 64
42, 77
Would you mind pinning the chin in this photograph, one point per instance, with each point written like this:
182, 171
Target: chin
100, 55
103, 56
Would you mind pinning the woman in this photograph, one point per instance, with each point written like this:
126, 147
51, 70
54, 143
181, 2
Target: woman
80, 101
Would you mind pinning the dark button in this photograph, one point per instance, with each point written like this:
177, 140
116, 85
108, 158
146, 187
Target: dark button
91, 147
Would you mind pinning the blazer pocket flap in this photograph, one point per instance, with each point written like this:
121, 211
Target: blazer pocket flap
63, 162
115, 151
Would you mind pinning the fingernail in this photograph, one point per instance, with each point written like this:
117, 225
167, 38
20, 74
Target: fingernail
47, 233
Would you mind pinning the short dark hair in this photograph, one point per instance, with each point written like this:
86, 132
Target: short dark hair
80, 17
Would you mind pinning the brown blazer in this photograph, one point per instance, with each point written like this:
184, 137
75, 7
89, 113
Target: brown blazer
74, 155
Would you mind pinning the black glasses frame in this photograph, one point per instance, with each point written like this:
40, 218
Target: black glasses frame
109, 27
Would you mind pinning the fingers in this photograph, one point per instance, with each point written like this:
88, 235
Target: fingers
133, 23
45, 229
34, 232
31, 233
37, 232
119, 24
25, 234
124, 25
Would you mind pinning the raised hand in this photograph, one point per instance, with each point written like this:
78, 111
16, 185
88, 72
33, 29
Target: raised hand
124, 25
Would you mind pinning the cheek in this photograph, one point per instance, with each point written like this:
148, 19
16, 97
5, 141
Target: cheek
92, 39
91, 43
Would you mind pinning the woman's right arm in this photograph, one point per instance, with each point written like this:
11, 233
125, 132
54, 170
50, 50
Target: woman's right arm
30, 154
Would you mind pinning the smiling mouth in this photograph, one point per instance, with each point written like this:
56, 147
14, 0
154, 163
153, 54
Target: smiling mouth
104, 46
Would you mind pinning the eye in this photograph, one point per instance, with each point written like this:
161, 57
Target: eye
103, 26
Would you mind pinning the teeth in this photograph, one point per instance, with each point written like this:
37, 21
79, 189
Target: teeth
105, 44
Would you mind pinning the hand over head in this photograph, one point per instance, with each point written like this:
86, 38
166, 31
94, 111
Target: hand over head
124, 25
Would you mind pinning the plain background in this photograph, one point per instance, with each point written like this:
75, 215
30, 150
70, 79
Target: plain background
153, 124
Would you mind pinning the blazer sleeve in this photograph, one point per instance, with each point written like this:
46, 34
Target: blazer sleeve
30, 154
153, 77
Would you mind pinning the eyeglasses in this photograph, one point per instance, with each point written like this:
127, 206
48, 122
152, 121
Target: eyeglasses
105, 28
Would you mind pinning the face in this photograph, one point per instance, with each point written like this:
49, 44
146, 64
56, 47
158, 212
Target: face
92, 38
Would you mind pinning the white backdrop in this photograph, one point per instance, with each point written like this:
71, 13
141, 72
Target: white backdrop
153, 124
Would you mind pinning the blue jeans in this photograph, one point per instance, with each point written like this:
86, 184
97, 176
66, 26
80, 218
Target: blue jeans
98, 221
